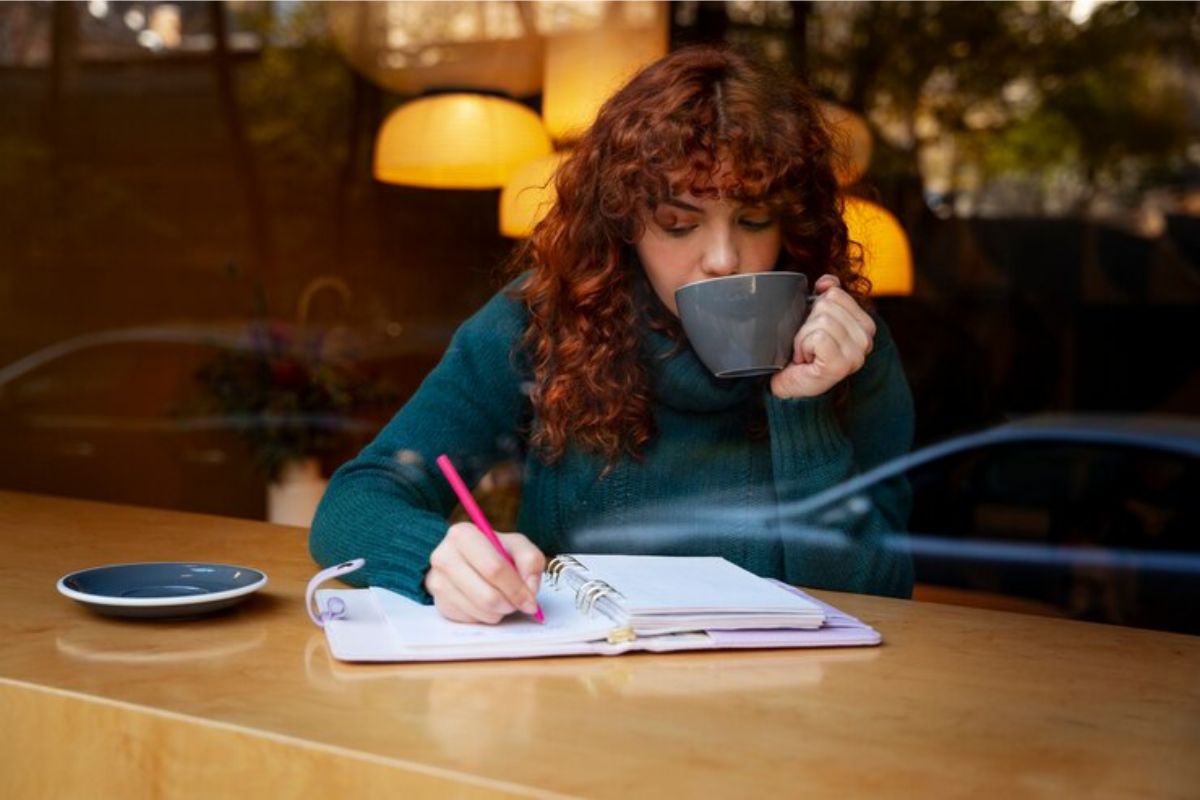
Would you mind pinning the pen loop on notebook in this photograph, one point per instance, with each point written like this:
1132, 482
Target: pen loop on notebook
335, 608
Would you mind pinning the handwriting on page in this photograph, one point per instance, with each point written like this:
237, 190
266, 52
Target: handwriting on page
419, 626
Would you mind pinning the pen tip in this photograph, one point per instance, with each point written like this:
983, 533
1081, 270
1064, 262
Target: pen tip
540, 617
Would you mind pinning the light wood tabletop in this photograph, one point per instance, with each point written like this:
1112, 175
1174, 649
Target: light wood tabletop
957, 702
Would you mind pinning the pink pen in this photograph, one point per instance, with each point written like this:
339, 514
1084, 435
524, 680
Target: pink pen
476, 514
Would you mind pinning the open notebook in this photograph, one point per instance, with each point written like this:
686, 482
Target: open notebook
594, 604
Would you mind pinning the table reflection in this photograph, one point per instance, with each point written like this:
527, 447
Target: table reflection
504, 705
96, 644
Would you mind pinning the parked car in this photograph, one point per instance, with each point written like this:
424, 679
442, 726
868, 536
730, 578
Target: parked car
1092, 517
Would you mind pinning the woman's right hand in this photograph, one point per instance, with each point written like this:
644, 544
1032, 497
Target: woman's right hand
471, 582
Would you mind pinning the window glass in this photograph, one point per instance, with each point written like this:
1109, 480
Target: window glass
201, 279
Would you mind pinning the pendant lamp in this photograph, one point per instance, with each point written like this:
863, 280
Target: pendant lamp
591, 51
458, 141
887, 259
413, 47
851, 142
529, 195
583, 69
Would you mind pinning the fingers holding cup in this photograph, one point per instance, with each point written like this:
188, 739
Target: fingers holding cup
832, 344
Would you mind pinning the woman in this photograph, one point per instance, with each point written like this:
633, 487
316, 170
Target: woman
705, 164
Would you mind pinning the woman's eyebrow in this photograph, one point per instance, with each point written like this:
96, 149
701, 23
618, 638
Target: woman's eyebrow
683, 205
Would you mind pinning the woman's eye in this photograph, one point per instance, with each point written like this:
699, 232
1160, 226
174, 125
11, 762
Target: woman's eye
674, 225
757, 224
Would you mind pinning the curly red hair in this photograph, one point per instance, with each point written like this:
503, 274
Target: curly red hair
704, 119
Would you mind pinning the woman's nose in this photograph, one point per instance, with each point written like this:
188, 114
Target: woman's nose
721, 256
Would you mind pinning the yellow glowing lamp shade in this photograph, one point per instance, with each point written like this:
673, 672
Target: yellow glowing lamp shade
528, 196
852, 143
458, 141
582, 70
887, 258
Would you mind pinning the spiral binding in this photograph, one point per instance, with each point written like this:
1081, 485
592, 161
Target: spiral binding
587, 595
589, 592
559, 563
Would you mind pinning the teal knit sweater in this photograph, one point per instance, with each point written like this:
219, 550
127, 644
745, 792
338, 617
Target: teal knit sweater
705, 485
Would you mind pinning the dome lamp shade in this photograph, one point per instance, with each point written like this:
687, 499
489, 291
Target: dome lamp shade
529, 195
458, 140
852, 143
887, 258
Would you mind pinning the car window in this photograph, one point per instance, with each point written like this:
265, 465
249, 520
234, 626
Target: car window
1099, 533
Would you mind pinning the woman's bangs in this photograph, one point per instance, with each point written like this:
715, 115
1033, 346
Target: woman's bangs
749, 181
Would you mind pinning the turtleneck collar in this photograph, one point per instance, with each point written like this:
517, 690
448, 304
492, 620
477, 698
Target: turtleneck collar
678, 377
682, 382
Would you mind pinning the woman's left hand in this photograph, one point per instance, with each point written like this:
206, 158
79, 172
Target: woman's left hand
832, 344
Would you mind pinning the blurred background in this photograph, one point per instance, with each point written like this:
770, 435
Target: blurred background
228, 246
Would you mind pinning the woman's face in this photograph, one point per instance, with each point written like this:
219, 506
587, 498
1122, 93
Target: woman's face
688, 238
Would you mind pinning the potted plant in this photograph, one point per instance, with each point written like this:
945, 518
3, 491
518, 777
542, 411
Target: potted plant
296, 394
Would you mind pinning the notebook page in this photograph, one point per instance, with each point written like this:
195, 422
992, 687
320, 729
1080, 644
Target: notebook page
692, 584
419, 626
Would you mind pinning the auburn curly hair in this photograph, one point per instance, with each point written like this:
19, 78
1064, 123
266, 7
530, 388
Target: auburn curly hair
706, 119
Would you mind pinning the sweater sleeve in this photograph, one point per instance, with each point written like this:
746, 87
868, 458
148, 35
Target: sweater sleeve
389, 505
854, 547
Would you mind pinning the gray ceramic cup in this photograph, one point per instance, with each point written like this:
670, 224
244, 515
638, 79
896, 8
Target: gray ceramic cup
743, 325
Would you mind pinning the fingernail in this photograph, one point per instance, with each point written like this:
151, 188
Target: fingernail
529, 607
532, 583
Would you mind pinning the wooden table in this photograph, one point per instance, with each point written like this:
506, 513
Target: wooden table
957, 703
